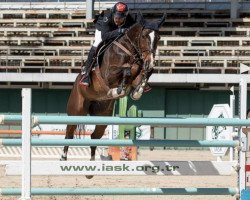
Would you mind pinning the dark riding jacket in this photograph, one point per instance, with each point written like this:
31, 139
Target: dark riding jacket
109, 29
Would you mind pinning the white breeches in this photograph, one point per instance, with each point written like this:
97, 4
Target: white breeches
98, 38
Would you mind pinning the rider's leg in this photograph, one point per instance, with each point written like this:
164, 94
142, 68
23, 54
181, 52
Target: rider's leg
89, 63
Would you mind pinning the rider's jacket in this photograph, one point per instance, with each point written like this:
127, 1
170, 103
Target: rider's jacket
109, 29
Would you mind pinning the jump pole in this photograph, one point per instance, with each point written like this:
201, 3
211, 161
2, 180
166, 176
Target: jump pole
141, 143
123, 191
156, 121
26, 123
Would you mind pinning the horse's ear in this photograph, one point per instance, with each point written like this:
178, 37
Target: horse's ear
162, 20
140, 19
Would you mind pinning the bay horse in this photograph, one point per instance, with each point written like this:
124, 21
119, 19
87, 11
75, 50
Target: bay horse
125, 68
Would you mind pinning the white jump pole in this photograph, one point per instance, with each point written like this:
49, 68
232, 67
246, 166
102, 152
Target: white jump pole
232, 107
26, 144
242, 136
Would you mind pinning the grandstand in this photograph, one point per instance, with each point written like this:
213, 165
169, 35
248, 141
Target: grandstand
43, 45
198, 37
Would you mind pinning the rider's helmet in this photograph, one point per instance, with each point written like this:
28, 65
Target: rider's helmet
120, 9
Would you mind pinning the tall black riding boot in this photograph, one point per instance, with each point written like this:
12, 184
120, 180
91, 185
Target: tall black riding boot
88, 66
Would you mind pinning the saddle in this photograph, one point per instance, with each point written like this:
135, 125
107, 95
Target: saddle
97, 60
101, 48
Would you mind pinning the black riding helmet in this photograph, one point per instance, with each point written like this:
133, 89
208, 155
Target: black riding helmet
120, 9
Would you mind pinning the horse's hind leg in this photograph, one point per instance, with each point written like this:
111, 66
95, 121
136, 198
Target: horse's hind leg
76, 106
97, 134
104, 108
69, 135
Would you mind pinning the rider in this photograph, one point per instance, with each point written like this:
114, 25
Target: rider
108, 27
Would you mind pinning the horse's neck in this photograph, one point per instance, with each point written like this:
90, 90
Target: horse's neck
133, 33
128, 44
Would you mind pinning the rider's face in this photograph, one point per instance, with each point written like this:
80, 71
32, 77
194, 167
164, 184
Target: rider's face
119, 20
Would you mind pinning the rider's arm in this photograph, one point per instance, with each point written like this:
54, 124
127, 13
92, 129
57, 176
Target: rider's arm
107, 35
107, 30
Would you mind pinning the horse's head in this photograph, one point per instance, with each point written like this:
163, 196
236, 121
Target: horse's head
144, 37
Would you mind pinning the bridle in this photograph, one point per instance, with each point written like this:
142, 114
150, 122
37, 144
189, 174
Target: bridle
136, 53
139, 51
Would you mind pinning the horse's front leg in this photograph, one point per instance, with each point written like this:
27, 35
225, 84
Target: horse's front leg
140, 83
126, 75
121, 90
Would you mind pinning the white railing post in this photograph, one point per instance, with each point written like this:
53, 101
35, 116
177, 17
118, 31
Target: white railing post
26, 144
90, 9
232, 107
242, 136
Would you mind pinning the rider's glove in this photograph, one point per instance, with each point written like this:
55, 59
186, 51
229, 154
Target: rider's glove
122, 30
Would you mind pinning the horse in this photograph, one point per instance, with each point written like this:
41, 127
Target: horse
125, 68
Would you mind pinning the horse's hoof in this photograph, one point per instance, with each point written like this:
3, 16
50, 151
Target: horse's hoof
63, 158
132, 97
89, 176
114, 93
119, 90
137, 94
135, 97
122, 93
109, 157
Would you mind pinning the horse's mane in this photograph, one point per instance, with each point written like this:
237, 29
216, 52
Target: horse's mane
134, 27
134, 30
